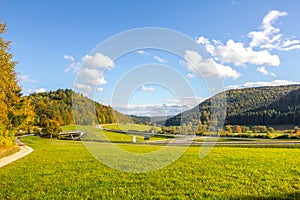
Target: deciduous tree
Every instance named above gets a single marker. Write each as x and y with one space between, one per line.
15 111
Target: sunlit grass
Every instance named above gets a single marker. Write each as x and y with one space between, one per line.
60 169
126 127
96 134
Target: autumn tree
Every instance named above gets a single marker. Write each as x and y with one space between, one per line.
51 128
238 129
15 110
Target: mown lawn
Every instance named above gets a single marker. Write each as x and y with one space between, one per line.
126 127
97 134
59 169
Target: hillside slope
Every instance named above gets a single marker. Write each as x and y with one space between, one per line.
67 107
271 105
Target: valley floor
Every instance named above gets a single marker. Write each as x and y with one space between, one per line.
59 169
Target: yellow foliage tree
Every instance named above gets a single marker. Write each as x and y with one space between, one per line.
15 110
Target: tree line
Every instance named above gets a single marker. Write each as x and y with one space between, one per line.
266 106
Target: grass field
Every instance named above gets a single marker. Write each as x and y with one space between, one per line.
96 134
59 169
126 127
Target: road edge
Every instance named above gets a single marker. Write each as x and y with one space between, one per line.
24 151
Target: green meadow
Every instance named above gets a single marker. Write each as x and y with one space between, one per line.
96 134
62 169
127 126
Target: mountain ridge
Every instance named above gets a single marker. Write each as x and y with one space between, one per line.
249 106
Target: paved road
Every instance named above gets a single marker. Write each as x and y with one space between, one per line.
24 151
237 143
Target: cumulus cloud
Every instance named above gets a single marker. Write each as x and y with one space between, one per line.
237 53
83 87
258 51
263 83
98 60
91 74
270 37
95 82
38 90
147 89
207 67
159 59
264 71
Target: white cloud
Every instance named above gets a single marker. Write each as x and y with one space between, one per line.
147 89
141 52
227 71
25 78
190 75
74 66
190 102
236 53
83 87
270 37
70 58
149 110
262 83
207 67
100 89
290 45
98 60
98 81
264 71
89 74
102 81
267 39
168 108
38 90
159 59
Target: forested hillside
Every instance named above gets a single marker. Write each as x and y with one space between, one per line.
252 106
57 105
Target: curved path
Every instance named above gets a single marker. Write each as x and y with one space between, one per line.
24 151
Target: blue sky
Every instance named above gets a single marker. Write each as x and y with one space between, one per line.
251 43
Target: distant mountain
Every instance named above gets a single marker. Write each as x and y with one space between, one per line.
276 105
272 105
